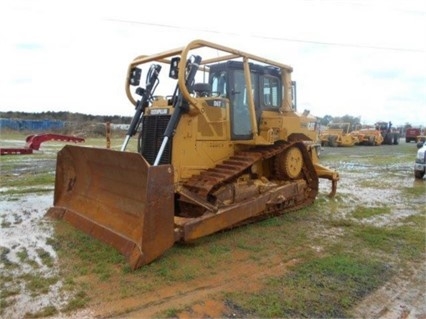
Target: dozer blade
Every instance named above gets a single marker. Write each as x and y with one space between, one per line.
118 198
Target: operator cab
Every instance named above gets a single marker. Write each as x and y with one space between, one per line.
227 80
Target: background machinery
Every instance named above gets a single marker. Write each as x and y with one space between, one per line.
337 134
390 135
33 143
368 135
222 145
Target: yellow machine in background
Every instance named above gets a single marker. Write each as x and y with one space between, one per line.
225 146
368 135
337 134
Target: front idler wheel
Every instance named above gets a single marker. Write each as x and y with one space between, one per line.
289 163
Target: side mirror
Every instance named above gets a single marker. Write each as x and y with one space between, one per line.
135 77
174 68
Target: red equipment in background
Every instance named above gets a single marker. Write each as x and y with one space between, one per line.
34 141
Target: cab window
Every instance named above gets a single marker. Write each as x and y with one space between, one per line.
218 82
270 97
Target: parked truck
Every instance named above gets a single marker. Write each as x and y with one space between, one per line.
411 134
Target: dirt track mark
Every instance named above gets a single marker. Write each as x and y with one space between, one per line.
245 276
402 297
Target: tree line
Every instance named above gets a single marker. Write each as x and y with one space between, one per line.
66 117
355 121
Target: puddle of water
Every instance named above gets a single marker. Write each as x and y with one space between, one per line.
366 185
24 242
25 226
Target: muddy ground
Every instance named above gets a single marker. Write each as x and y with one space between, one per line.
25 241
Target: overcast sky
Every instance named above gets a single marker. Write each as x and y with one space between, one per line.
362 58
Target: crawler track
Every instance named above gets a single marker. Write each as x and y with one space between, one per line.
210 180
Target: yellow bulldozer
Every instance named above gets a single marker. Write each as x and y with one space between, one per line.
222 146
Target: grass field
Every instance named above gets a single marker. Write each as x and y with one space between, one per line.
321 261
